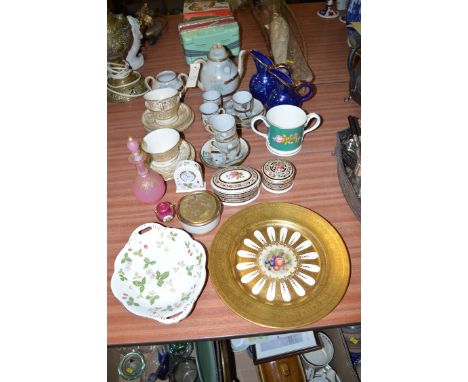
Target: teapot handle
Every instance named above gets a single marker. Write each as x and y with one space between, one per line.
301 85
202 62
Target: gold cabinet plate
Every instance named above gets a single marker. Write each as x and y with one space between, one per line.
279 265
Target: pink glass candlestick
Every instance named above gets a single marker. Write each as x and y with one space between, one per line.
148 187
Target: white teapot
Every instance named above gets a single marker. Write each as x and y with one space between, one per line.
219 72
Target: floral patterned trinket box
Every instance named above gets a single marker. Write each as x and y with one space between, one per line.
236 185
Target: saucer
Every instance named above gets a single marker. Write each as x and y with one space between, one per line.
166 169
207 158
242 119
186 117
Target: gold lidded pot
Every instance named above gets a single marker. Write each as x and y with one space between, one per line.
199 212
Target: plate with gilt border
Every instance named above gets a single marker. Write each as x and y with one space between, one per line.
279 265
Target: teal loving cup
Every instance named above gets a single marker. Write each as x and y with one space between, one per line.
286 128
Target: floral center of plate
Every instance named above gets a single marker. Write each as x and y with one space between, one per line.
277 260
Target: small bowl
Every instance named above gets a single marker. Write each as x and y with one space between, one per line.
159 273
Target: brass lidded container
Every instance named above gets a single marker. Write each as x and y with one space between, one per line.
199 212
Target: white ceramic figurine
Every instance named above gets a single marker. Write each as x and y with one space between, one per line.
134 58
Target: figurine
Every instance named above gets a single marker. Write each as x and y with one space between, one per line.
135 59
150 26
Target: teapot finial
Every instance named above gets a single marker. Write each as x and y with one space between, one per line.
217 52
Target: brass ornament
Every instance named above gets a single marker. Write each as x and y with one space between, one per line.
119 37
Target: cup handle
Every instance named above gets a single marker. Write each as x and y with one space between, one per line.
147 80
183 77
252 125
315 125
221 110
209 128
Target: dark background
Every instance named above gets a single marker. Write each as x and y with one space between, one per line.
164 7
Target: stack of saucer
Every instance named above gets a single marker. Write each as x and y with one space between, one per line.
164 109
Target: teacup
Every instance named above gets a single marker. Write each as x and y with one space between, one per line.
164 103
243 102
208 110
226 140
213 96
286 128
162 144
167 79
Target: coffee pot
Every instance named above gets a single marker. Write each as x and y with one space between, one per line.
219 72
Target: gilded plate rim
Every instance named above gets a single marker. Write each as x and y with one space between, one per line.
329 291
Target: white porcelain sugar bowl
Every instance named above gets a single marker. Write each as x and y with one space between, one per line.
159 273
219 72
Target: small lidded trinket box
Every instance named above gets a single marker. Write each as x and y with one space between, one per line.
236 185
278 175
199 212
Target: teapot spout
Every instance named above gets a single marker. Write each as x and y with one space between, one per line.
240 63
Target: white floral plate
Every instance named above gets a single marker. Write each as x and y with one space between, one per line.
159 273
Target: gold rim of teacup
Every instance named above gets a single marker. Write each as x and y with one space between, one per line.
168 155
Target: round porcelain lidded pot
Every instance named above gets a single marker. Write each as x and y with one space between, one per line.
236 185
278 175
199 212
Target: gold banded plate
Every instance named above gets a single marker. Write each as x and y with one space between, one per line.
279 265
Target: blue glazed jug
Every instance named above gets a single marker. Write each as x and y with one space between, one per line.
286 91
262 83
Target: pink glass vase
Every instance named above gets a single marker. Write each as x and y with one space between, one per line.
148 187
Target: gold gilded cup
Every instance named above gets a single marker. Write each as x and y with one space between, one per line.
164 103
162 144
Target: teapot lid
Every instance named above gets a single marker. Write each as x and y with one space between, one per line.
217 52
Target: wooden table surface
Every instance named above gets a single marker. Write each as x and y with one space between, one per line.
316 186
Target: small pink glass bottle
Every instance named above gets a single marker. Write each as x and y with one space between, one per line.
148 187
